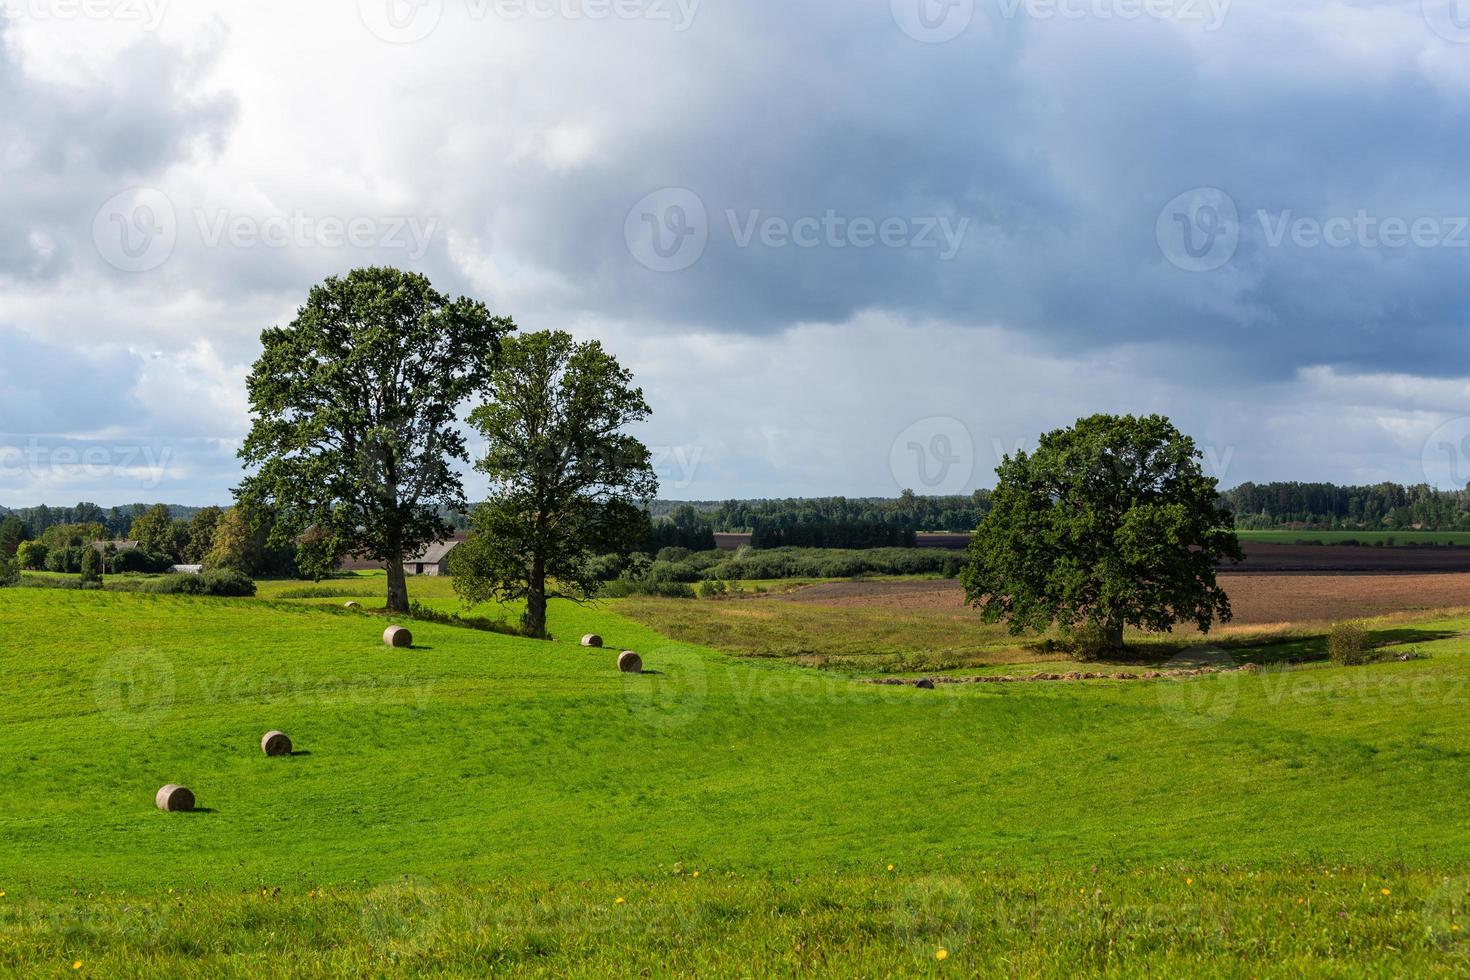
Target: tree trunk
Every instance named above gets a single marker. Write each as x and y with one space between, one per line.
1115 635
536 600
397 586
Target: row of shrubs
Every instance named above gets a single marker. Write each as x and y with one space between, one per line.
221 582
682 565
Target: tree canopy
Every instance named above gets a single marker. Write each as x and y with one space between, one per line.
354 406
566 480
1110 523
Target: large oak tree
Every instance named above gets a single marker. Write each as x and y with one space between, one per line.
354 406
566 479
1110 523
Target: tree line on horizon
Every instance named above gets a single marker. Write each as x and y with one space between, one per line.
691 524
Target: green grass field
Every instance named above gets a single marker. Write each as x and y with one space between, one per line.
1387 538
480 804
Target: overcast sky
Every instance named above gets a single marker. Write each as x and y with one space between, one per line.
847 246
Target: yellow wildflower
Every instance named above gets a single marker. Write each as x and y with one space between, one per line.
940 954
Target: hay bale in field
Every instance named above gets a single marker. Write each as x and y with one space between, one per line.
630 663
174 799
924 684
397 636
275 743
351 605
592 640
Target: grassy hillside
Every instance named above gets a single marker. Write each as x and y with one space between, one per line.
479 773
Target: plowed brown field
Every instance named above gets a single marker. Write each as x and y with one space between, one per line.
1255 599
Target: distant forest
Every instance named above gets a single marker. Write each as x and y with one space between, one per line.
869 522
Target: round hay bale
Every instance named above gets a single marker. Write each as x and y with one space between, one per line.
275 743
397 636
925 684
592 640
174 799
351 605
630 663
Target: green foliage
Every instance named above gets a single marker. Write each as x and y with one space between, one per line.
220 582
31 555
13 532
1110 523
1088 642
1348 644
786 563
354 409
199 538
9 572
61 536
620 588
91 565
857 514
65 559
157 533
566 480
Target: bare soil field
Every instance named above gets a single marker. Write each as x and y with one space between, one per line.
1257 599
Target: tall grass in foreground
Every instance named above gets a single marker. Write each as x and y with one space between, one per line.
1177 920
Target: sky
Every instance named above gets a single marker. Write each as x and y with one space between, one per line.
846 246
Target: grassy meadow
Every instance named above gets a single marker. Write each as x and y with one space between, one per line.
483 803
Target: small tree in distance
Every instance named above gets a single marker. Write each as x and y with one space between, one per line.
566 481
1110 523
91 564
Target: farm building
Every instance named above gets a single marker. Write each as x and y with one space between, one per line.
433 560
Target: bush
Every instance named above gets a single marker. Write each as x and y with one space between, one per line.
318 592
1087 642
673 554
31 556
9 573
91 565
621 587
1348 645
220 582
420 611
